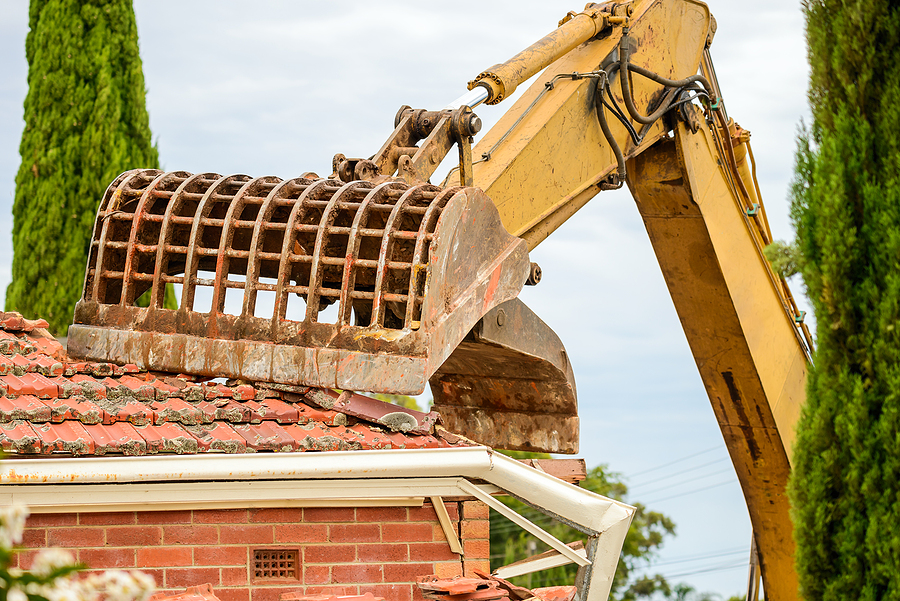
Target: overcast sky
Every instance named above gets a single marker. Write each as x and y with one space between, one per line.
277 88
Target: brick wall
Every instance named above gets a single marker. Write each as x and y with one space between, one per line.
341 550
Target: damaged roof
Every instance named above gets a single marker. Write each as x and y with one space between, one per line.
50 404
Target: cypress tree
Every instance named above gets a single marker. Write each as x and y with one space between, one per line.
845 487
85 122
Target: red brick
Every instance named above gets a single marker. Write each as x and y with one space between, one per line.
164 517
406 572
329 514
164 557
356 573
482 565
420 532
134 536
159 576
389 592
220 556
382 553
448 569
475 510
476 529
381 514
301 533
438 534
34 538
220 516
190 535
76 537
316 574
107 558
42 520
341 591
26 558
185 577
233 594
273 593
329 554
357 533
432 552
426 512
477 549
106 518
283 515
246 534
417 594
235 576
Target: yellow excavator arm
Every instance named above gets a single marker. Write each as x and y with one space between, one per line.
690 172
425 278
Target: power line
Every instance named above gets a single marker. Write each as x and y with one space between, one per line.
733 566
690 492
715 555
690 469
685 458
688 481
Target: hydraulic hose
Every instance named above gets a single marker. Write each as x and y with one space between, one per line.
625 68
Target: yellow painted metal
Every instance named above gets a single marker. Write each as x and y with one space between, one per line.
698 197
556 158
747 350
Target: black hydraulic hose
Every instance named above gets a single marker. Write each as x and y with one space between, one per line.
625 68
607 133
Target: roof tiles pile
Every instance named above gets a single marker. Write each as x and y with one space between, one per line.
52 404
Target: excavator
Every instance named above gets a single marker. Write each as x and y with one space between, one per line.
380 280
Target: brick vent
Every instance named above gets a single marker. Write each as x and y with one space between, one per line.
276 564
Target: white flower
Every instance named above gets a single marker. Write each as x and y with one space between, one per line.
50 559
16 594
12 524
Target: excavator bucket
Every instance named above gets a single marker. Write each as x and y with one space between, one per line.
411 270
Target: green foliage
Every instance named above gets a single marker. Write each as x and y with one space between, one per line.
85 122
846 208
784 258
648 529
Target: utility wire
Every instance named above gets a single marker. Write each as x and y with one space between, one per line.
691 559
685 458
690 469
688 481
691 492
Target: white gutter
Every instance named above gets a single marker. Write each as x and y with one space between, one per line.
606 521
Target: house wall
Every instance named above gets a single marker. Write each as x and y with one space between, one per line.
342 550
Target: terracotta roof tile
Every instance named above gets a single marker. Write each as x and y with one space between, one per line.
51 404
25 407
65 437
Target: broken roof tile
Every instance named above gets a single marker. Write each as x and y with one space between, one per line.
25 407
395 417
44 364
50 347
14 322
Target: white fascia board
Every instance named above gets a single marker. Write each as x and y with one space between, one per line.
605 520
